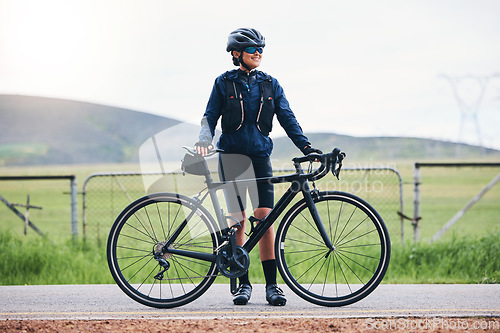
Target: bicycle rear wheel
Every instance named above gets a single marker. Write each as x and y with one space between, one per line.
349 272
142 229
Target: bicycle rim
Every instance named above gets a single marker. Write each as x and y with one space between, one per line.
356 265
141 230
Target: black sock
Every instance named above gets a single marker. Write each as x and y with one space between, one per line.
244 279
269 267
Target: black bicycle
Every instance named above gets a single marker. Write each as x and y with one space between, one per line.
332 248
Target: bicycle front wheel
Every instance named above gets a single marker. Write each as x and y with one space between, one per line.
342 275
142 229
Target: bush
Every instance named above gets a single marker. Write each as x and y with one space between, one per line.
37 260
459 260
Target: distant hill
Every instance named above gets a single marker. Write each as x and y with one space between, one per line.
38 130
388 148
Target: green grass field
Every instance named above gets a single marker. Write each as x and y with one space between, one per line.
467 253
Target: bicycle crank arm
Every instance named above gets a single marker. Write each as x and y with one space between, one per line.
233 285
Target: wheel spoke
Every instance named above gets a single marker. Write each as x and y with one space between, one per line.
346 223
357 237
161 223
139 239
342 271
150 224
312 228
348 266
145 229
135 262
295 240
311 267
338 220
353 230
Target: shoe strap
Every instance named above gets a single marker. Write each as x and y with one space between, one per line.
277 290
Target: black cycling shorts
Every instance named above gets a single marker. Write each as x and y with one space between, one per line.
241 167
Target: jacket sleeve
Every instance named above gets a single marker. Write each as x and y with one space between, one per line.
287 119
212 112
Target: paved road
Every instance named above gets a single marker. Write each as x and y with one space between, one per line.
109 302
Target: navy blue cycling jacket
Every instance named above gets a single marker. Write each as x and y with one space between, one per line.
248 140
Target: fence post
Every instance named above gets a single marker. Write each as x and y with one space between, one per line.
416 203
74 206
19 214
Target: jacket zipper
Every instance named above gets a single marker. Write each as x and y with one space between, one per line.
242 110
260 110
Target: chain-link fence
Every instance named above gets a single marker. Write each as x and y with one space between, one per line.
106 195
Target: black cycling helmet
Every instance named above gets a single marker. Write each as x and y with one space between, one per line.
242 38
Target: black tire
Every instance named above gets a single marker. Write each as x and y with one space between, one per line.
140 230
355 267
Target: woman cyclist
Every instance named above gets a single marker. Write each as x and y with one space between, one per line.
247 100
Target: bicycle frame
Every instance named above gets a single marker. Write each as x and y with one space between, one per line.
299 183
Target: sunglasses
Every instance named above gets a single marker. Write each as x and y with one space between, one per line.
252 49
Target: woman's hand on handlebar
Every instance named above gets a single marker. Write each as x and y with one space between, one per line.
308 150
203 147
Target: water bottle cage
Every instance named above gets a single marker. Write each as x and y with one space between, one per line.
252 219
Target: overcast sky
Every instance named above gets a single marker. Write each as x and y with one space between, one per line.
360 68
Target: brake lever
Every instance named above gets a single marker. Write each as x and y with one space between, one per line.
340 158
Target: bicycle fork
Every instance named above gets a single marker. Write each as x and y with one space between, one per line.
308 197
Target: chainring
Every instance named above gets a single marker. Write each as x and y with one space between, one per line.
233 267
